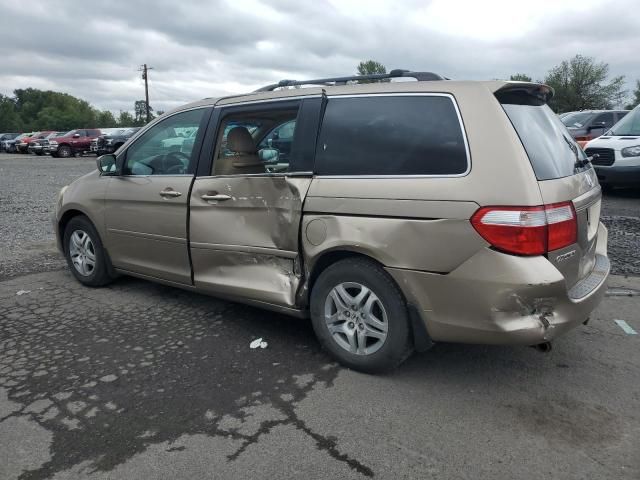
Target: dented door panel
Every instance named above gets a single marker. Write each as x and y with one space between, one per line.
247 244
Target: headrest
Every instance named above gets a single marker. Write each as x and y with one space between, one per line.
239 140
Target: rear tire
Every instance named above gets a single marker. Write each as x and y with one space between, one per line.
85 253
359 315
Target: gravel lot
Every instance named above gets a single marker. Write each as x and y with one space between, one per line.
139 380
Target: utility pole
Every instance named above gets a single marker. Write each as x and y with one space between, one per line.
145 77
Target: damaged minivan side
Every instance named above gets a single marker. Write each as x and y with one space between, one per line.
370 208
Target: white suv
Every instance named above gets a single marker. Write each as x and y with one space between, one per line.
618 152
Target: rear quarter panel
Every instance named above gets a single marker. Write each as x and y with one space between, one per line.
422 223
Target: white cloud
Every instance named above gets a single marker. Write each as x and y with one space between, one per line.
204 48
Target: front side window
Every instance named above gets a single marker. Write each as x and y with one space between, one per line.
604 120
280 138
391 135
166 148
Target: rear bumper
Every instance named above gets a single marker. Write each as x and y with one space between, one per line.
629 175
494 298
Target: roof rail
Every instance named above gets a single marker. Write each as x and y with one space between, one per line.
397 73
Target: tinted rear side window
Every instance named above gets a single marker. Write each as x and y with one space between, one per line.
391 135
551 149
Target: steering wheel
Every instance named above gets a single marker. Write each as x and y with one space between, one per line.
180 157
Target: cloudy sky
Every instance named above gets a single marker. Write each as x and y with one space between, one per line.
204 48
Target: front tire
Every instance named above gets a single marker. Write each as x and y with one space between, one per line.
64 151
359 315
85 253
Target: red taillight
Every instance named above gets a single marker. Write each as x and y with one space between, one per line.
528 230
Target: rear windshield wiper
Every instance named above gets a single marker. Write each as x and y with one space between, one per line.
579 163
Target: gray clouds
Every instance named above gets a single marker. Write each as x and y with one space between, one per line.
207 48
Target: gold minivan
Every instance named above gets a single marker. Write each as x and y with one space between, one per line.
394 213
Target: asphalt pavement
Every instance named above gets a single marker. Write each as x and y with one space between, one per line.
140 380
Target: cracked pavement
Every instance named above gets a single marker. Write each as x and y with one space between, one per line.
140 380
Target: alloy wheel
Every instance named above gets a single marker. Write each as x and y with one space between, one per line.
356 318
82 253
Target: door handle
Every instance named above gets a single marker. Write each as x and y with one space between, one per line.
218 197
168 193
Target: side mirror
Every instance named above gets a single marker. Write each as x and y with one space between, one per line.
107 164
76 135
269 155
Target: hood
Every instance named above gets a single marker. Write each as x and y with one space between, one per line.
616 142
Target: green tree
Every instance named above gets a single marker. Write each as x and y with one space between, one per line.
636 97
581 83
520 77
105 119
10 121
370 67
125 119
140 109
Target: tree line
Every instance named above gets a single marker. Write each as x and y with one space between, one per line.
580 83
31 109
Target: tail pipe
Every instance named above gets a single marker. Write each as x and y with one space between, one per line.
544 347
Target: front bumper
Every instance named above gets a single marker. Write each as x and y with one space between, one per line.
618 175
494 298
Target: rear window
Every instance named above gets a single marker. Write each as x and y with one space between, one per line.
551 149
391 135
577 120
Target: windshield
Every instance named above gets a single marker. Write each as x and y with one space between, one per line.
550 147
69 133
577 120
629 125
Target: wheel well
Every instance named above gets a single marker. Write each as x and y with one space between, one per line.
66 217
329 258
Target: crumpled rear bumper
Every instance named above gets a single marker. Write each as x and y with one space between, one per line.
495 298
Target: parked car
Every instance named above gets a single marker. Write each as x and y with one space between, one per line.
22 145
73 142
9 146
562 115
111 141
37 145
384 225
6 137
589 124
618 152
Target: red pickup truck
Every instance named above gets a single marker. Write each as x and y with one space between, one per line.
22 145
73 142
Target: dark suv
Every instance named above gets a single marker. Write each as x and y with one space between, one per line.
6 137
111 142
73 142
589 124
